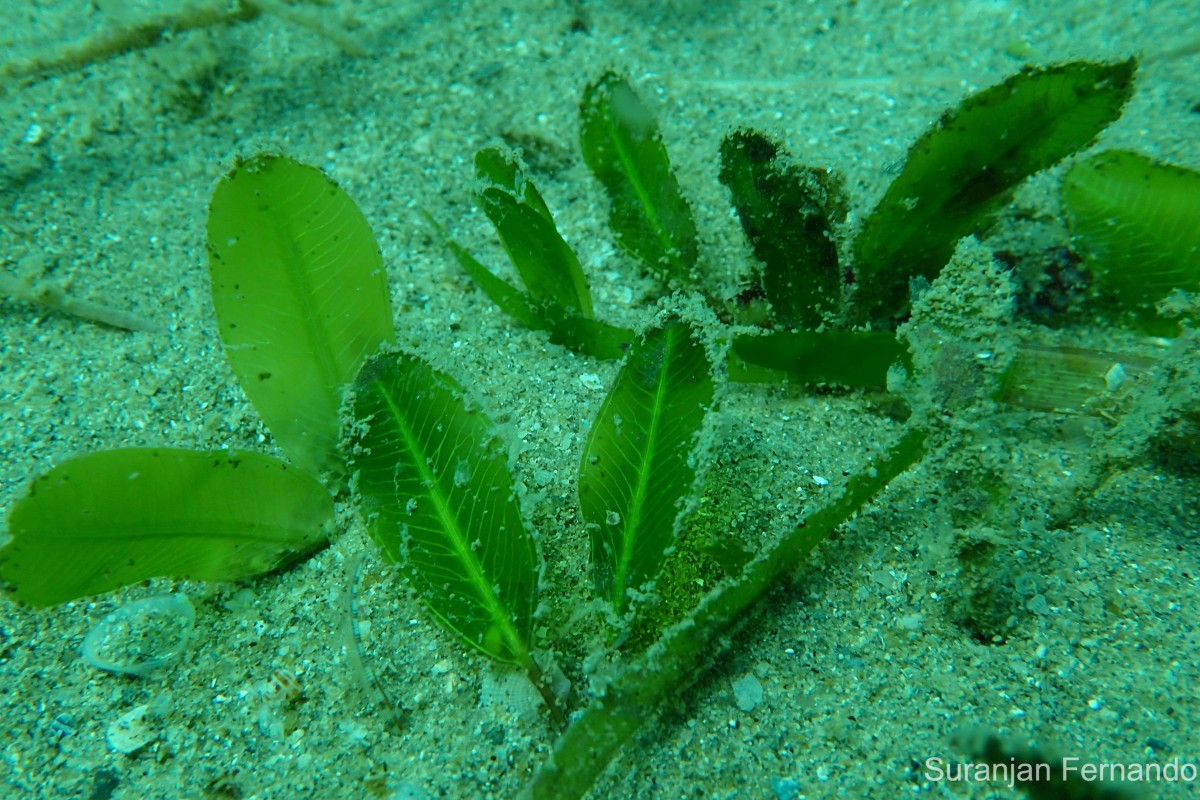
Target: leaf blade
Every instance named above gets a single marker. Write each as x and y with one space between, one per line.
547 264
566 327
301 298
434 482
118 517
1137 224
637 470
623 148
962 170
787 211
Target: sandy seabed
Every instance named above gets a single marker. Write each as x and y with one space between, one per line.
943 610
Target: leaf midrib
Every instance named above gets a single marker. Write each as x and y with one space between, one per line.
498 613
638 500
310 319
639 189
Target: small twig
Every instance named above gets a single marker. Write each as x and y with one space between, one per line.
355 653
111 42
25 290
343 40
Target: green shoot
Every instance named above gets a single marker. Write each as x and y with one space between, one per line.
565 326
547 264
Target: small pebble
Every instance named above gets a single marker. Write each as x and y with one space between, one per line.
747 692
785 788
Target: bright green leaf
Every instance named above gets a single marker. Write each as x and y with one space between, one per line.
118 517
638 468
787 211
301 298
964 169
1137 224
434 485
624 150
546 263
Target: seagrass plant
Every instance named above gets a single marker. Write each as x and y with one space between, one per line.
301 299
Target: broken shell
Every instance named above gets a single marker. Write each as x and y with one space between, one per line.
142 636
132 731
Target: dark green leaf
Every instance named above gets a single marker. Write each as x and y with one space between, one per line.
849 358
301 298
624 150
566 327
638 468
787 211
1137 224
546 263
589 336
962 170
434 485
118 517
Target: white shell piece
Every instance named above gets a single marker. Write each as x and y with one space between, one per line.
132 731
1115 376
591 380
141 636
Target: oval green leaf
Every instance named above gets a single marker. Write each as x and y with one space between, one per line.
301 298
624 150
118 517
434 486
638 469
964 168
1137 224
